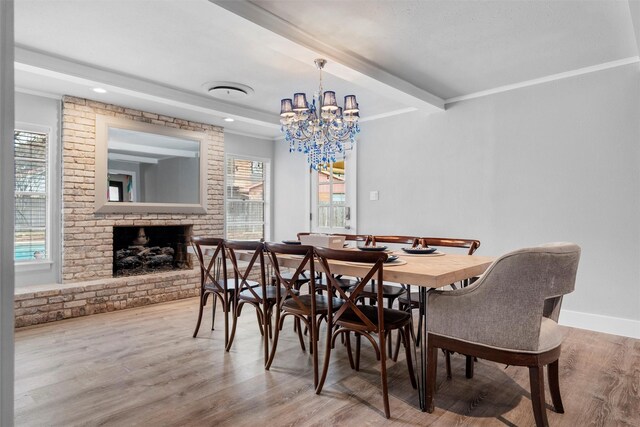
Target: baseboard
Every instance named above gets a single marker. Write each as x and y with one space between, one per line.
596 322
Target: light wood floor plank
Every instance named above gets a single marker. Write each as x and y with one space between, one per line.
141 367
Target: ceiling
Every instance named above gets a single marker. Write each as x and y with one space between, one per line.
396 56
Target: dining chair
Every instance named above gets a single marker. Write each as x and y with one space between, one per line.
508 316
210 281
345 282
262 298
309 308
411 301
362 320
389 292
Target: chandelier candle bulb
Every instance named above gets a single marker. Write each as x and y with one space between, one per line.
322 130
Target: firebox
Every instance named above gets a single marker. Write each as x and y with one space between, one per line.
150 249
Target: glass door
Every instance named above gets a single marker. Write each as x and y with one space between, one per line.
333 196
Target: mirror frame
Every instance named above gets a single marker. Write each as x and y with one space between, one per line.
102 205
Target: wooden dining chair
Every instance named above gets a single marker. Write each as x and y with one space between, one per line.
389 292
362 320
411 301
309 308
508 316
211 283
262 298
345 282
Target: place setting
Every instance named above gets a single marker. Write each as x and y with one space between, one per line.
419 251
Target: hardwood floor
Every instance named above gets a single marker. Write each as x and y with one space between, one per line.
141 367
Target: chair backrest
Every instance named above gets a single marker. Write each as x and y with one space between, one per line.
209 271
471 244
376 259
509 299
409 240
256 251
274 250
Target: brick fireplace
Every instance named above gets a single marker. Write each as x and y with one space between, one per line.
88 238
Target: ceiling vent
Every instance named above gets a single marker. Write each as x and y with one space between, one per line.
228 90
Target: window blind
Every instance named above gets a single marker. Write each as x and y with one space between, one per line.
245 199
30 237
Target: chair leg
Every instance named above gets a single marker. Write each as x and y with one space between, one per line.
469 367
358 339
213 310
383 375
313 343
407 345
348 344
275 342
536 378
298 327
554 386
397 348
327 356
432 368
447 363
236 314
203 301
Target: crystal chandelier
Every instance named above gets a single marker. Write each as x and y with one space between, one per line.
322 130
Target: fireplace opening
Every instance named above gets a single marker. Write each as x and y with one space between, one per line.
150 249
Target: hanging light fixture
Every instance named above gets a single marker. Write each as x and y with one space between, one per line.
323 131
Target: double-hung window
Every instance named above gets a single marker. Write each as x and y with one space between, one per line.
31 239
246 198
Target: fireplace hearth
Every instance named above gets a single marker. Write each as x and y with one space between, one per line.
150 249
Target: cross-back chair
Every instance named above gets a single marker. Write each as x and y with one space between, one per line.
304 308
210 281
262 298
363 320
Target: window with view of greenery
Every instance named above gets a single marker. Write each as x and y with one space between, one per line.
30 241
246 181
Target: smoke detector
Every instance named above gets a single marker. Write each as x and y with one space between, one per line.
228 90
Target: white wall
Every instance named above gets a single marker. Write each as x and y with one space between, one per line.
558 161
552 162
291 188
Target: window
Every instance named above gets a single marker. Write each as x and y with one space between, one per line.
246 198
31 213
331 196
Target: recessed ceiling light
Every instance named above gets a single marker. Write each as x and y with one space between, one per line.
99 90
229 119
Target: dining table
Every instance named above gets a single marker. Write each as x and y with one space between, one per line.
427 272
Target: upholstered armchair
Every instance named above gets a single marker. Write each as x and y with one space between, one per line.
508 316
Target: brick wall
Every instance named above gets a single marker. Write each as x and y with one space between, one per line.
87 240
87 236
103 295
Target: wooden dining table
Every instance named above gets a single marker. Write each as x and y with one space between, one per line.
428 272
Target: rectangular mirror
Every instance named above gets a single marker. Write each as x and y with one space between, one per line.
142 167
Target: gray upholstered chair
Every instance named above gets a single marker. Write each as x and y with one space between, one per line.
508 316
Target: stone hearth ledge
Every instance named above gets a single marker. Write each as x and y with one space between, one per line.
47 303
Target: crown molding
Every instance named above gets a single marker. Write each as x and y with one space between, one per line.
546 79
